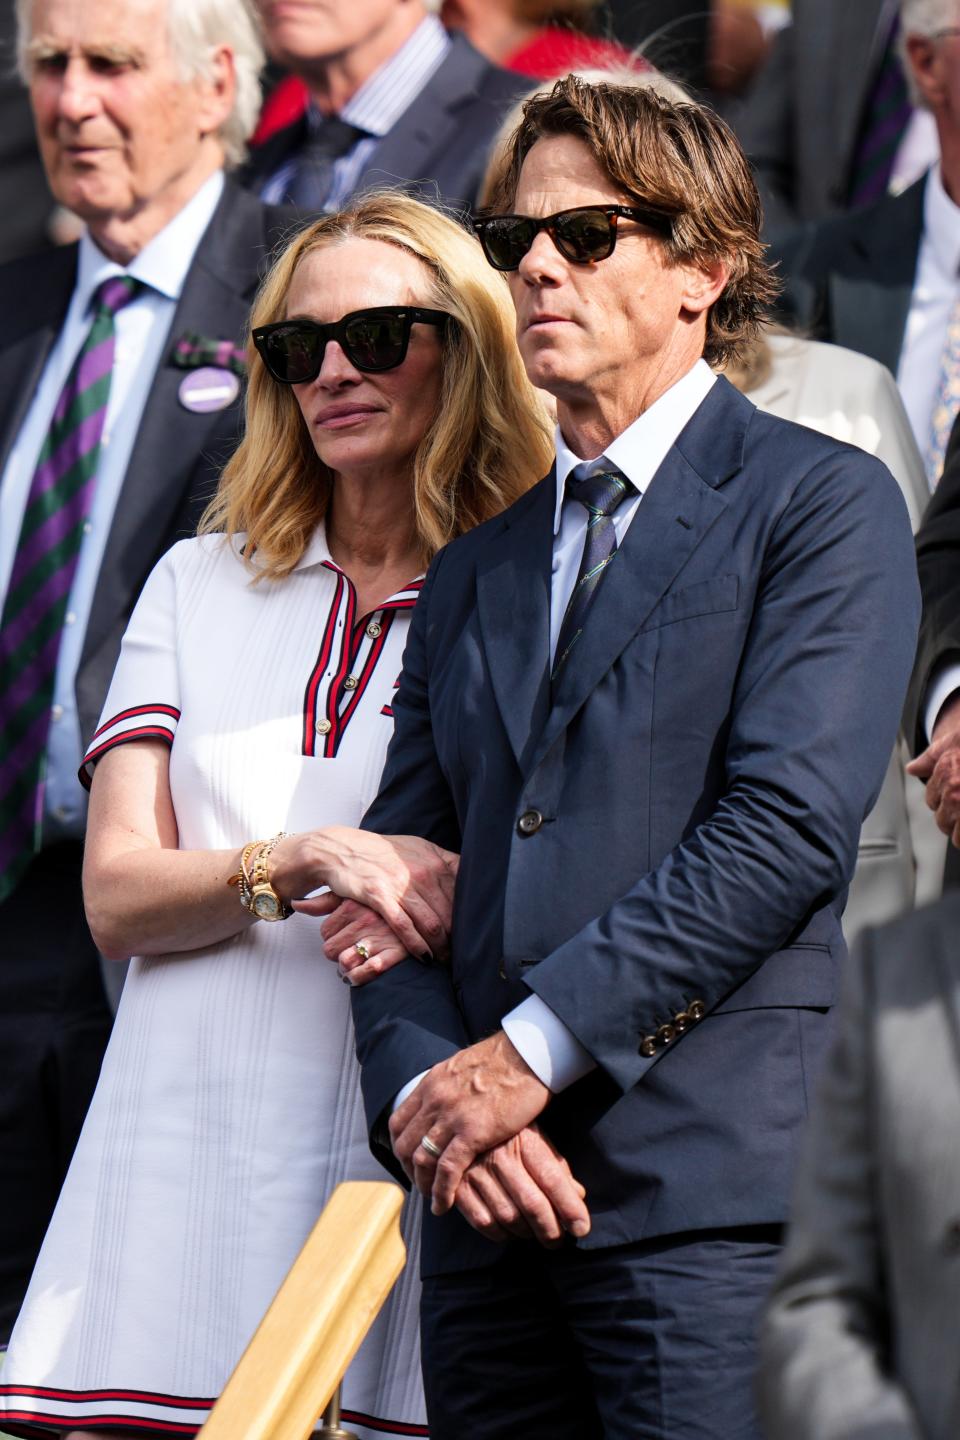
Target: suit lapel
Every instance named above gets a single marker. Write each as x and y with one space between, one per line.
678 509
409 151
870 295
29 336
513 604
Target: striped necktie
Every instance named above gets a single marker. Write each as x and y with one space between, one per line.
600 494
887 116
48 549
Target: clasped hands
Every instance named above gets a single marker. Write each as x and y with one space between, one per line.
394 895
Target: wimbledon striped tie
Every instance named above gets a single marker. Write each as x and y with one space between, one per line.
600 494
61 493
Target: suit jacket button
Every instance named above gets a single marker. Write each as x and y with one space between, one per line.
665 1034
681 1021
648 1046
529 822
696 1009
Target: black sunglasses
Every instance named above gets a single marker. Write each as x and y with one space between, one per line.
588 232
374 339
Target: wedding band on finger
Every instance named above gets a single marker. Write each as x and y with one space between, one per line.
362 950
427 1144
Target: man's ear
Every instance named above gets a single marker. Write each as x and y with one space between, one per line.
705 283
926 67
217 91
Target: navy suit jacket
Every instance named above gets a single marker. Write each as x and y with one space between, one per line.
702 769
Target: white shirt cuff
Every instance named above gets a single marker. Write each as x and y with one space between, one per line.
406 1090
943 682
553 1052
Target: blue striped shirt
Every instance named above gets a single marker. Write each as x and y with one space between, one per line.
375 108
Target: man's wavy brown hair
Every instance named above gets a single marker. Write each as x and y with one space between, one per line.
678 158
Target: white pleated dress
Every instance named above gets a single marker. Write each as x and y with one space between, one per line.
229 1105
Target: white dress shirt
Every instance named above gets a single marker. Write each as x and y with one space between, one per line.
142 328
936 290
547 1045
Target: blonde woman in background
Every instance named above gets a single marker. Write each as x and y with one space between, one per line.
387 412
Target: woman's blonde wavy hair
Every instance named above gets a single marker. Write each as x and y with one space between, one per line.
489 441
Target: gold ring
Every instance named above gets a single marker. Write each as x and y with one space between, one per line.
362 950
431 1148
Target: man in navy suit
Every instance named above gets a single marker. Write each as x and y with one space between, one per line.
649 705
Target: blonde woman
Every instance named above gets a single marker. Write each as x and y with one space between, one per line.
387 412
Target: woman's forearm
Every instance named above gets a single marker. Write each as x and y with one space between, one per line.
154 901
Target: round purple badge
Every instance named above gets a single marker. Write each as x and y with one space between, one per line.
208 389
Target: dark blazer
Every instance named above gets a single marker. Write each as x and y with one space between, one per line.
801 121
850 280
177 455
693 791
860 1339
440 145
938 561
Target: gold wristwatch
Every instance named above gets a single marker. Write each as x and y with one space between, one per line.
263 901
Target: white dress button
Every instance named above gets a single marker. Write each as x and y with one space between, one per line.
323 727
351 682
70 618
56 712
374 630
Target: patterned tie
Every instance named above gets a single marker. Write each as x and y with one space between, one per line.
887 115
309 183
600 494
947 403
58 502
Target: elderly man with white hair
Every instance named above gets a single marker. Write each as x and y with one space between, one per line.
120 368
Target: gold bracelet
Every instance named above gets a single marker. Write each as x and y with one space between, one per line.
242 877
265 903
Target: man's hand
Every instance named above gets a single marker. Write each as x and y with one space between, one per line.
465 1105
939 767
523 1187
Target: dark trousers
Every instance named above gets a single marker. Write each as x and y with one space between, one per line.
650 1341
54 1025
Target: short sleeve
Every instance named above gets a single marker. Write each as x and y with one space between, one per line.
143 702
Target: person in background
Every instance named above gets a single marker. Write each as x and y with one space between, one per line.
387 413
392 99
932 711
120 380
860 1340
542 39
886 280
828 123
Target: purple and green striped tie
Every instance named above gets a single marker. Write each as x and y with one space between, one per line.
600 494
58 503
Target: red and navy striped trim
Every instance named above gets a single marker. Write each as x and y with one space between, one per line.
133 712
143 732
336 710
378 1423
316 675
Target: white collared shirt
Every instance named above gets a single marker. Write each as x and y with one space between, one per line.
142 328
936 290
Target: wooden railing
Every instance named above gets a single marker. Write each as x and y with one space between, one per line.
291 1370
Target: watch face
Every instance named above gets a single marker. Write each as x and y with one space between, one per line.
266 907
